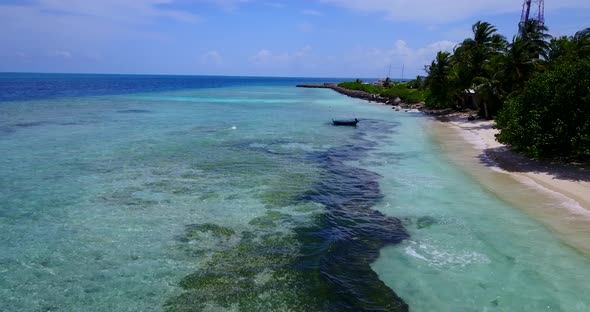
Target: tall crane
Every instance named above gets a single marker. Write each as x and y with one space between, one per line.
532 10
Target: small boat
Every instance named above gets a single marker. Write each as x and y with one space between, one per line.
345 122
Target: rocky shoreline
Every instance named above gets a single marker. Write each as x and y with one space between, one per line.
396 103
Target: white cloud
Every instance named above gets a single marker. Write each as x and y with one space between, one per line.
263 57
305 27
228 5
459 33
439 11
357 62
302 62
268 58
49 24
375 62
212 58
83 25
118 10
311 12
60 54
276 5
94 56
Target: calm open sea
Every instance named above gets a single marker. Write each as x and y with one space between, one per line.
179 193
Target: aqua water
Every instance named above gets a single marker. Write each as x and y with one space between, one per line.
149 193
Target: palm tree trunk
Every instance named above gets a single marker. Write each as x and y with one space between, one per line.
485 109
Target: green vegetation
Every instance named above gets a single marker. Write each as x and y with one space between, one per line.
254 275
417 83
272 219
535 85
552 116
404 91
284 190
475 64
441 94
194 231
271 269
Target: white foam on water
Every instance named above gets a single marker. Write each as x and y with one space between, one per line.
472 138
562 200
98 211
258 145
478 143
444 258
228 100
299 146
478 247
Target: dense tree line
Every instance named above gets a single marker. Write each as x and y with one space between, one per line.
535 86
409 93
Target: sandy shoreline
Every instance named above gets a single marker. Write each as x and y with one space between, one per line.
570 180
557 195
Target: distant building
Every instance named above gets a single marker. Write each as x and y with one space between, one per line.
470 99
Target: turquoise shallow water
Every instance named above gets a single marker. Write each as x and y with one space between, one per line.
469 250
245 197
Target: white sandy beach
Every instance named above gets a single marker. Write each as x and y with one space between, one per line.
571 181
556 194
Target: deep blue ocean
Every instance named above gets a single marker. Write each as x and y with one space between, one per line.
198 193
33 86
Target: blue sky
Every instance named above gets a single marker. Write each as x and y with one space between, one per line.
312 38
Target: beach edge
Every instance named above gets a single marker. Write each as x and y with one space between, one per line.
568 180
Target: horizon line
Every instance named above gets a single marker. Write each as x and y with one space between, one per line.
195 75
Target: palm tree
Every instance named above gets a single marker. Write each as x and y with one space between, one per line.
569 49
519 62
536 37
438 79
439 67
387 82
472 56
419 82
490 92
582 42
559 48
477 51
472 60
485 35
